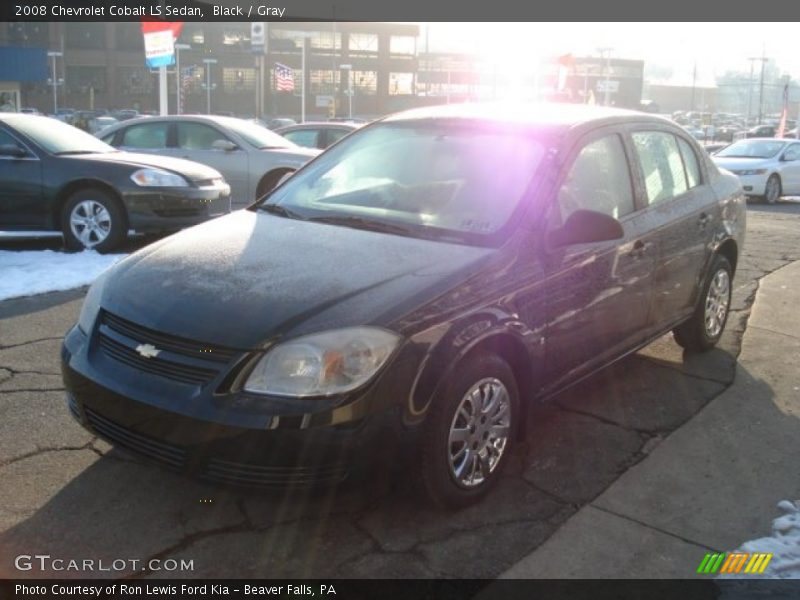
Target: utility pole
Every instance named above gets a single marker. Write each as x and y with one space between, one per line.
750 92
761 91
178 78
606 53
54 81
694 85
208 62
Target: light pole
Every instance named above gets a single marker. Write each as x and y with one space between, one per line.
304 37
606 53
178 86
55 81
349 69
208 62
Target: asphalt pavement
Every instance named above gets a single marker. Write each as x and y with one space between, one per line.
69 495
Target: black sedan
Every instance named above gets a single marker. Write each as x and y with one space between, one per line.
55 177
409 293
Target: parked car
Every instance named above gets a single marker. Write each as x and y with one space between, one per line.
792 133
29 111
409 293
316 135
56 177
65 114
768 168
761 131
714 148
125 114
252 159
98 124
280 122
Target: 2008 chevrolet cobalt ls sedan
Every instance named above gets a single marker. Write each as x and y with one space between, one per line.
410 292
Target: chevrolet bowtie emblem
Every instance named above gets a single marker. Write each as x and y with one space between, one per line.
148 350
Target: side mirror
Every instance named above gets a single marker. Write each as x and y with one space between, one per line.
224 145
585 227
12 150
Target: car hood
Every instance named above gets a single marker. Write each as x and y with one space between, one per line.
250 277
190 169
737 164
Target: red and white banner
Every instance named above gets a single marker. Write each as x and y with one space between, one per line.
159 42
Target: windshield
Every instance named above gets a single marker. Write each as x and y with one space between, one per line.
256 135
429 179
752 149
57 137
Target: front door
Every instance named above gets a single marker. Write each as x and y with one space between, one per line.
21 202
598 294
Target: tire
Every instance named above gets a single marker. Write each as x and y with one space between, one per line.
269 181
773 189
106 231
452 473
704 329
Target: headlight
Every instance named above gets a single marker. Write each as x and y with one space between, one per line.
157 178
323 364
751 172
91 304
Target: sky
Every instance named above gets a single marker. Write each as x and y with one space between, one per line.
714 47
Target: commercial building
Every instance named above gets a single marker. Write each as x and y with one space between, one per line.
102 66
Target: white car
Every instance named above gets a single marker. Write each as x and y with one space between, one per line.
767 167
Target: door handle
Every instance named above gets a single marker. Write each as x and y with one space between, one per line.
704 220
639 249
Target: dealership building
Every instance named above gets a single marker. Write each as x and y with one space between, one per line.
101 65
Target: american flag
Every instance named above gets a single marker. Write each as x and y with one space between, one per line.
284 78
187 75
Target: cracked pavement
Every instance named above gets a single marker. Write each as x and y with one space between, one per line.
72 496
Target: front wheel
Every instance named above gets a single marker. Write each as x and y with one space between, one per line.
469 435
92 219
772 191
704 329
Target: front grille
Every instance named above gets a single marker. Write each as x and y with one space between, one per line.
212 468
179 359
246 474
165 454
177 212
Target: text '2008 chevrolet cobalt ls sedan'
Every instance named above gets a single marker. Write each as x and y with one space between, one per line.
415 287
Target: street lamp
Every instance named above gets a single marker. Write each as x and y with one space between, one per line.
606 53
349 69
304 37
178 85
54 81
208 62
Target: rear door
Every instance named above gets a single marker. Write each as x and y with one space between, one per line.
683 211
598 294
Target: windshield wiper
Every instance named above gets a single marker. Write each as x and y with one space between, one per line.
362 223
281 211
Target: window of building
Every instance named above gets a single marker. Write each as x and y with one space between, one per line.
193 34
365 82
24 34
401 83
236 80
402 44
81 79
128 36
662 165
135 80
324 81
599 179
236 38
363 43
326 40
85 35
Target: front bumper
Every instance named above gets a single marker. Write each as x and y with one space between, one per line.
170 209
754 185
210 437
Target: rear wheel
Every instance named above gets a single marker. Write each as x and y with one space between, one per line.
704 329
772 191
469 434
93 219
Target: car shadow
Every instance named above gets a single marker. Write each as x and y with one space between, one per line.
79 505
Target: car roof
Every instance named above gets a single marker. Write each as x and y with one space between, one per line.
219 120
317 125
548 115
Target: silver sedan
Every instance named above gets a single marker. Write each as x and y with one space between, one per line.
251 158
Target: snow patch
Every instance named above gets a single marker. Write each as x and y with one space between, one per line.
784 544
38 271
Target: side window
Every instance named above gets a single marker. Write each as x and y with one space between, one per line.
303 137
197 136
334 135
792 153
151 136
664 175
690 162
599 180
